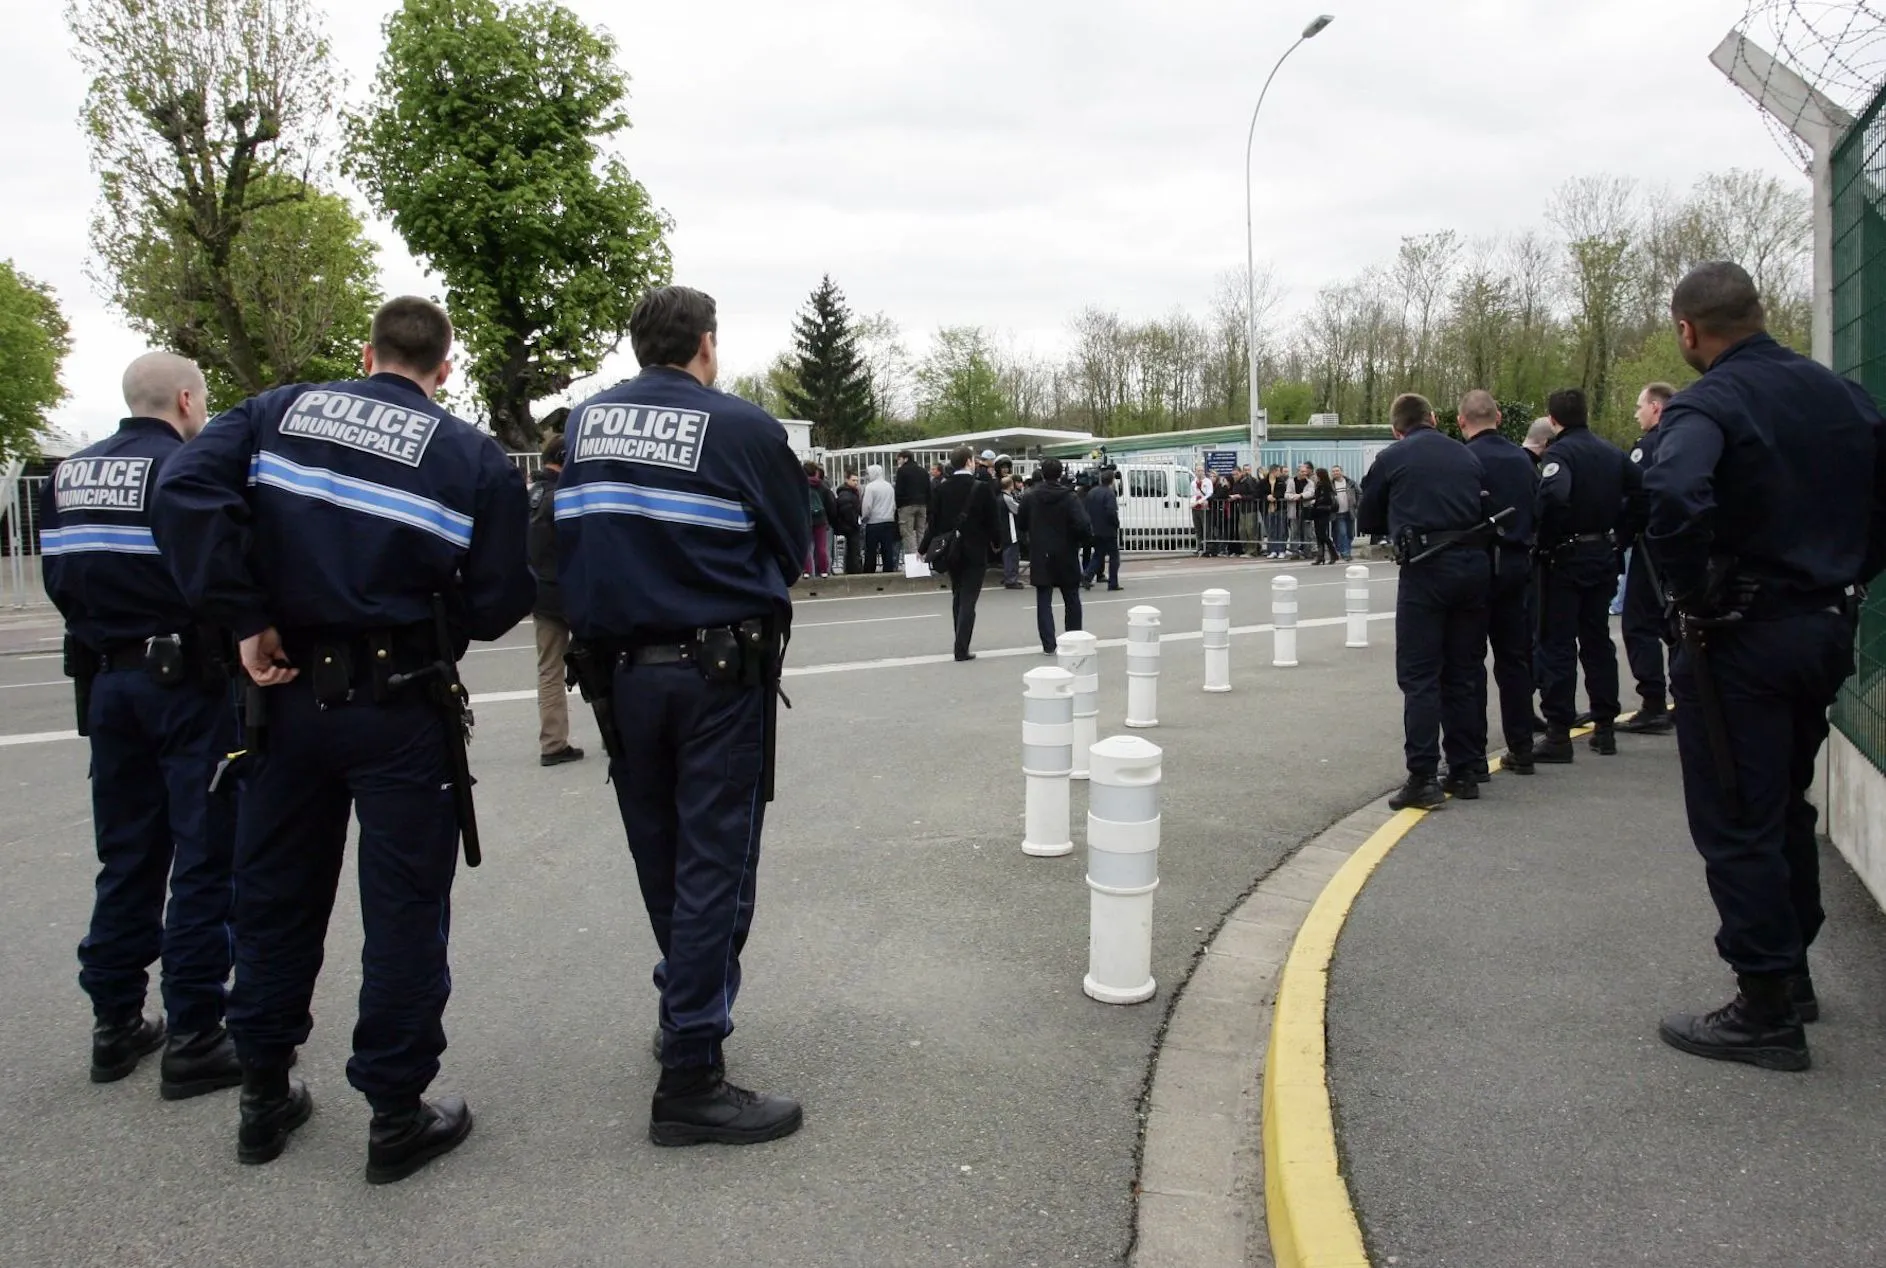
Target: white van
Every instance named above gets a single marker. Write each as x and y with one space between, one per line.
1155 503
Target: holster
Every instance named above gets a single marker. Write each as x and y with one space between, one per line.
81 666
590 667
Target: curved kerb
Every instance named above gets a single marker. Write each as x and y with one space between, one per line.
1312 1222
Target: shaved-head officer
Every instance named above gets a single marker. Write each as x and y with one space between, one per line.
152 691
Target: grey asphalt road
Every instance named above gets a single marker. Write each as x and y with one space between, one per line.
1502 1096
911 976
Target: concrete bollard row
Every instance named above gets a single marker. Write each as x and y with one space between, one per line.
1142 667
1283 617
1047 760
1078 652
1356 603
1122 869
1217 639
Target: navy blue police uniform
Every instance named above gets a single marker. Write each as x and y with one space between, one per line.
335 513
681 527
1424 491
1586 486
1746 451
1512 481
1643 606
159 721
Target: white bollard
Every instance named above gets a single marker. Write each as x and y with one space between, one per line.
1357 602
1217 639
1122 869
1079 654
1142 668
1283 616
1047 757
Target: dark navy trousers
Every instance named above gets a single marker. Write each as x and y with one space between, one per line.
1440 660
154 750
689 787
1777 679
1510 635
387 765
1643 632
1576 630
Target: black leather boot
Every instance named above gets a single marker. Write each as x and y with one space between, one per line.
119 1044
1419 793
1519 761
1653 719
699 1107
402 1141
272 1106
1604 740
1759 1026
1801 994
1463 787
1555 749
197 1064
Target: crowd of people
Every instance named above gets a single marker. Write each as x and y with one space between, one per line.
1273 514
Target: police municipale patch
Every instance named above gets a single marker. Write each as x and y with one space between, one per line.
1551 469
1637 455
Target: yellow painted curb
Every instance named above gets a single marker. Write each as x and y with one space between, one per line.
1306 1200
1312 1224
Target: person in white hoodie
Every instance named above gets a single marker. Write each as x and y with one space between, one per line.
880 522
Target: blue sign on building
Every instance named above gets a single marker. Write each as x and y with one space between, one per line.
1221 461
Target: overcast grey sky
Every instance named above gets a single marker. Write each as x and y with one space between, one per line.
1006 162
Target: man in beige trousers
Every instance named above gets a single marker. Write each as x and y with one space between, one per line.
553 635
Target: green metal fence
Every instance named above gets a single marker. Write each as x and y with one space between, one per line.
1859 177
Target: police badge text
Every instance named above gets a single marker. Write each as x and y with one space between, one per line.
648 434
359 422
101 484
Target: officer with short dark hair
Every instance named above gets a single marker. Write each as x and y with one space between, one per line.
1512 481
1765 595
1428 494
1643 623
681 528
353 535
153 691
1587 504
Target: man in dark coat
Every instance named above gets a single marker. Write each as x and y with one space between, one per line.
1103 512
1057 526
553 634
970 508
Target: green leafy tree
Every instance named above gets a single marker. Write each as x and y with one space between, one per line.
202 115
833 388
34 340
301 269
1289 402
484 147
959 384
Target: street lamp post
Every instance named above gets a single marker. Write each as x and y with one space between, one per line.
1259 427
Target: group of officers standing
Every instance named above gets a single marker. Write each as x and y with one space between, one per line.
264 616
1754 512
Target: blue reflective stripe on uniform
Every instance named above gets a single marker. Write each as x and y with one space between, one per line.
277 472
607 498
119 538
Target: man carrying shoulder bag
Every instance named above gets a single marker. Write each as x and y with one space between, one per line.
971 509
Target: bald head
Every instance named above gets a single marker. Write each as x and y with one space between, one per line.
167 386
1478 412
1540 434
1715 306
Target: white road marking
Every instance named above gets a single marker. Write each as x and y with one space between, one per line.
804 671
17 686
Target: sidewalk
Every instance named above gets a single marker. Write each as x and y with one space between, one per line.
1500 1094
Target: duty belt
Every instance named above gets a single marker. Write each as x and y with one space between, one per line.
1579 539
130 656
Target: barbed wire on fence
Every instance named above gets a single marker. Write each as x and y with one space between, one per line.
1837 46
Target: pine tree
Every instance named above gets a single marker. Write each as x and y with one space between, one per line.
833 392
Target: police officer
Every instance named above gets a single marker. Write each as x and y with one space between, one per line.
334 528
1643 601
1427 493
153 697
1586 491
1765 595
1512 481
681 527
